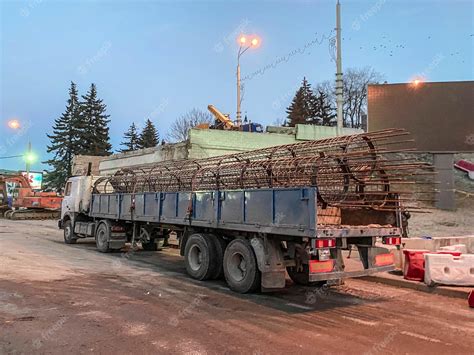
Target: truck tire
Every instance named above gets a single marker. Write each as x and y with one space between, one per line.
300 276
240 267
69 236
200 257
219 244
150 246
102 238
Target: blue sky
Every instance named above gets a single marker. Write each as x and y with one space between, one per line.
159 59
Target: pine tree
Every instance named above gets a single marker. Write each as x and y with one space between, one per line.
131 139
325 112
94 129
149 136
302 108
64 142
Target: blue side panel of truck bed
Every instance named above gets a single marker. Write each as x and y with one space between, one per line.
290 211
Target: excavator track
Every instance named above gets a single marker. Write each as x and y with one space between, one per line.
31 214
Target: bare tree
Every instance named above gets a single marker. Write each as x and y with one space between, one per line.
355 94
354 91
179 130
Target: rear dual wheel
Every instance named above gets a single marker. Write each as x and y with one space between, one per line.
208 257
240 267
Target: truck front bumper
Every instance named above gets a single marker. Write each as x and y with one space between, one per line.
348 274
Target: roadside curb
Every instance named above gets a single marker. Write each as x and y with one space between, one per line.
419 286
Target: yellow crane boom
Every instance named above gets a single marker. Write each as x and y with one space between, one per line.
228 124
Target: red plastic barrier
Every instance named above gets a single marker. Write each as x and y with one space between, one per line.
414 268
471 299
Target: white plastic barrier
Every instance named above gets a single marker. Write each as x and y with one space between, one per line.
449 270
457 247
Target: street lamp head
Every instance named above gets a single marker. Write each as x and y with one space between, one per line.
255 42
242 40
14 124
30 157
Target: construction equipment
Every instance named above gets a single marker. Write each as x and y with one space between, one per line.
256 215
25 203
223 121
220 117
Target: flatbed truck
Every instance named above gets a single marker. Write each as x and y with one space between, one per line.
252 237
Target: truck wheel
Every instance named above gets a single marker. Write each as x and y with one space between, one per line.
200 257
219 244
240 267
69 236
300 274
102 238
150 246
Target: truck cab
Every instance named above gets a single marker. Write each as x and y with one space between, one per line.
77 195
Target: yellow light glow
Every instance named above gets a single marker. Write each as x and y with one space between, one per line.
254 42
14 124
243 39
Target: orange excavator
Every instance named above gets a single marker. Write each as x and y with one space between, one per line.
21 202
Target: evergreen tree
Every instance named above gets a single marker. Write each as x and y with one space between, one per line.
64 142
131 139
149 136
94 128
325 111
302 109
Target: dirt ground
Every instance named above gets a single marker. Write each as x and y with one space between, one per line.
440 223
57 298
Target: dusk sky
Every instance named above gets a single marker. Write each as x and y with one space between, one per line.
159 59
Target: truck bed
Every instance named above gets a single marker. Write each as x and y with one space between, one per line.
279 211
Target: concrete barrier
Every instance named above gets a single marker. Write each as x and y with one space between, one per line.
436 243
458 247
446 269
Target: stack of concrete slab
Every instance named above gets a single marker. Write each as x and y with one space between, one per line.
437 243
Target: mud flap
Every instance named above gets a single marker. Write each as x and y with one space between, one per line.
368 255
270 262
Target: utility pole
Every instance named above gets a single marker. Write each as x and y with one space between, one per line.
339 86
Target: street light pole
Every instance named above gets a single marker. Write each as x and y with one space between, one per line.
28 158
253 43
339 85
239 113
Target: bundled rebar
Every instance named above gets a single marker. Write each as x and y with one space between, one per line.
363 170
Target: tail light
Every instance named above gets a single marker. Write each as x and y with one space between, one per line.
321 266
392 240
325 243
117 229
384 259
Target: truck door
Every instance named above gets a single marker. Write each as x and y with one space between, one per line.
67 205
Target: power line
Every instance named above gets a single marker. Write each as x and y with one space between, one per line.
13 156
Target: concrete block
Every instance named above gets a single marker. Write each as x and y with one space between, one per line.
446 269
436 243
457 247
